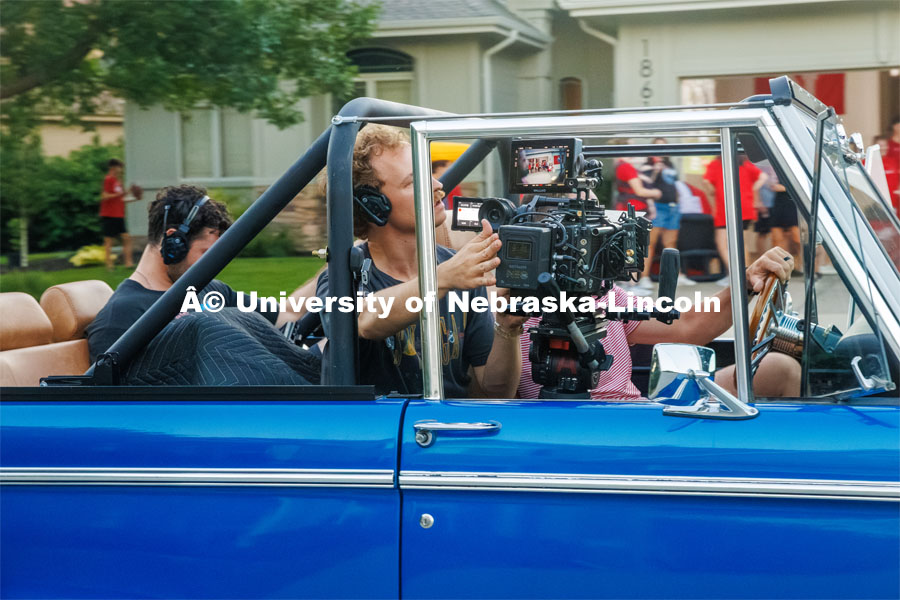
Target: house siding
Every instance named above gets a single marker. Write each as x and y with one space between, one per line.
715 43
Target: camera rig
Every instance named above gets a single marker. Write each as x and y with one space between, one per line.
566 244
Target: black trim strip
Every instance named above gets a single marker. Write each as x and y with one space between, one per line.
269 393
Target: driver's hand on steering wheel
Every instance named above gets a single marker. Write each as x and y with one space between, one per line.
776 261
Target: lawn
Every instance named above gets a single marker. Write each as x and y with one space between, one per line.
33 256
266 276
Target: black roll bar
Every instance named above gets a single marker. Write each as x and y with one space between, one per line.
339 202
342 365
639 150
467 161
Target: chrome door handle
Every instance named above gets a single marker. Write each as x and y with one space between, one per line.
425 430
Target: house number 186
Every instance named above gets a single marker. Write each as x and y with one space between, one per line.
645 71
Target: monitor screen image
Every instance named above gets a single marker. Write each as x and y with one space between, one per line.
541 165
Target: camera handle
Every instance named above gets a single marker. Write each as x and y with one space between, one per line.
548 286
669 268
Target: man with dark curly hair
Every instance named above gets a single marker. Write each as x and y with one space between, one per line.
153 276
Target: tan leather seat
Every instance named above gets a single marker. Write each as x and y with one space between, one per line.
23 322
35 343
72 306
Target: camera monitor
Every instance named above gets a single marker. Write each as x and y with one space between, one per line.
542 166
465 214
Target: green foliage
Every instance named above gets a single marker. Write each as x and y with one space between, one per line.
273 241
261 55
60 195
72 188
20 177
236 200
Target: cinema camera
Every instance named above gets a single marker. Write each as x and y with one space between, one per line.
563 244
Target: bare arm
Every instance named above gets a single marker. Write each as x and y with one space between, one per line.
109 195
760 182
637 186
307 290
710 193
469 268
499 376
700 328
693 327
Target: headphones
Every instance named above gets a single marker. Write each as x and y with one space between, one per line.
174 247
375 205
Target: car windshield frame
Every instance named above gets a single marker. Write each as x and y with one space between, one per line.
855 250
858 187
791 146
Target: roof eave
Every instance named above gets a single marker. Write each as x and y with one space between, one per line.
426 27
593 8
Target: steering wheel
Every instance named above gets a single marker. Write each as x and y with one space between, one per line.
763 319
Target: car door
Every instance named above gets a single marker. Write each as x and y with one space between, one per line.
199 492
590 499
609 500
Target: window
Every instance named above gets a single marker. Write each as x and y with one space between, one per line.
570 94
383 73
844 345
216 143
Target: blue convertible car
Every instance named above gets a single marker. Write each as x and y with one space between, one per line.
330 491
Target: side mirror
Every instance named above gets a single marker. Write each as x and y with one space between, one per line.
681 378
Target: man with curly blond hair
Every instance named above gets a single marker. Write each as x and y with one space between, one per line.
474 358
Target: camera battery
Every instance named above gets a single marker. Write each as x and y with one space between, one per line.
525 254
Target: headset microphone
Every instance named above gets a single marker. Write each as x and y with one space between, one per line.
175 247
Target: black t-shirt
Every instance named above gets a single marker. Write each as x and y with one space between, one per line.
393 364
664 181
129 302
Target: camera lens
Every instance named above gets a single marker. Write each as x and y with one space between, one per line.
497 211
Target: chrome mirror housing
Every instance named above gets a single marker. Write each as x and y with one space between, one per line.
670 372
681 378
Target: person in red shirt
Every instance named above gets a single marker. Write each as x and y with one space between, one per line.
751 180
891 163
894 142
631 190
112 213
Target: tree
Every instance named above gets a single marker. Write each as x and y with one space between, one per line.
261 55
57 56
21 181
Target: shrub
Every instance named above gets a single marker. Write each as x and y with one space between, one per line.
273 241
21 180
64 194
72 186
270 242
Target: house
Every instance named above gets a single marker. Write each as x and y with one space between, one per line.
470 56
105 124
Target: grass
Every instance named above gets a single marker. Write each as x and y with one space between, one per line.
33 256
266 276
